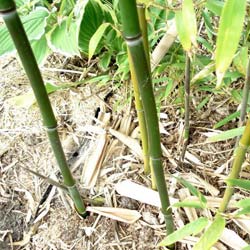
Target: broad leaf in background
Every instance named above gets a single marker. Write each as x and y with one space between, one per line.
92 18
191 228
212 234
95 39
34 25
186 25
64 39
240 60
230 28
245 184
225 135
40 49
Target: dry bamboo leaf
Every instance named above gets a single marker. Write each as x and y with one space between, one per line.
94 162
119 214
140 193
26 237
125 124
167 154
232 239
133 144
193 158
244 224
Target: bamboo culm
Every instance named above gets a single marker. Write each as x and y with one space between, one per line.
132 35
19 37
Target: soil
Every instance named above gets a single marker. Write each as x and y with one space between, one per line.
55 225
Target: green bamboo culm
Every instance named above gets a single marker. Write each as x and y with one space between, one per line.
241 145
239 158
19 37
132 35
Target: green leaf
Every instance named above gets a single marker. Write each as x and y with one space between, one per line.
191 228
240 60
243 203
215 6
193 190
105 60
95 39
246 248
40 49
212 234
94 15
203 103
227 119
194 204
64 39
230 28
225 135
209 69
245 210
185 20
245 184
34 25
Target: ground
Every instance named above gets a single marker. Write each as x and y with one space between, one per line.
35 216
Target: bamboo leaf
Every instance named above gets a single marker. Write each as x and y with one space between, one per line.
40 49
209 69
225 135
243 203
193 190
215 6
245 184
230 28
190 20
227 119
212 234
95 39
246 248
191 228
194 204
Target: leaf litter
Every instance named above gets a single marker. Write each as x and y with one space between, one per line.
116 180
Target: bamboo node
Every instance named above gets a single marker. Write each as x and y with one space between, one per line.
134 41
155 159
51 129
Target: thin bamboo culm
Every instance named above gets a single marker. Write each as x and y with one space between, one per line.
187 107
19 37
132 35
241 145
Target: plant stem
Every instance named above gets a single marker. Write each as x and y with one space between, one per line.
19 37
244 100
187 107
239 158
132 35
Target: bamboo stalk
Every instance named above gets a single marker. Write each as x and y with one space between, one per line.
239 158
241 144
244 101
187 108
19 37
132 35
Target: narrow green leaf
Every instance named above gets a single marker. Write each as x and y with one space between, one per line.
245 184
194 204
240 60
225 135
95 39
227 119
191 228
105 60
230 28
243 203
212 234
193 190
203 73
203 103
245 210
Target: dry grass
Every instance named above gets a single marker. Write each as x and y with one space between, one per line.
53 225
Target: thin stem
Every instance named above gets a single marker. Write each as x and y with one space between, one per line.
19 37
244 101
187 107
239 158
132 35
